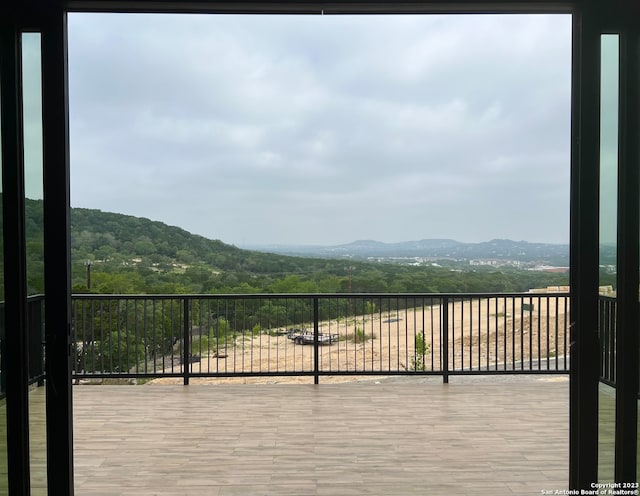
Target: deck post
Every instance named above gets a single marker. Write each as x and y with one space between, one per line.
316 354
444 347
186 358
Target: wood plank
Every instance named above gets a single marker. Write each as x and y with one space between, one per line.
476 435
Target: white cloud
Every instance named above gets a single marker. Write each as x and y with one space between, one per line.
302 129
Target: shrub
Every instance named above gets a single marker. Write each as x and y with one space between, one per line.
422 348
359 336
200 345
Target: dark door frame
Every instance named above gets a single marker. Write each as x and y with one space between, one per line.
590 18
15 352
628 254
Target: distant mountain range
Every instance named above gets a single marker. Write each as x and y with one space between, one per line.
103 236
496 249
126 254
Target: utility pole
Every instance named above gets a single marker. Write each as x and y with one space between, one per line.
88 264
350 270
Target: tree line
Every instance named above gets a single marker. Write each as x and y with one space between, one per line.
126 254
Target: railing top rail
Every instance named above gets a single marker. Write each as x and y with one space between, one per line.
607 298
35 297
94 296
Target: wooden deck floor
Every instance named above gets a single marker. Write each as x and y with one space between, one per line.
474 436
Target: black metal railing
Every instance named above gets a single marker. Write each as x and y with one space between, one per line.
187 336
607 308
252 335
35 332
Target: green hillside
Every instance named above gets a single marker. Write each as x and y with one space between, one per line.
129 254
170 259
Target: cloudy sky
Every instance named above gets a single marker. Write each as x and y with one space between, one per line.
325 129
